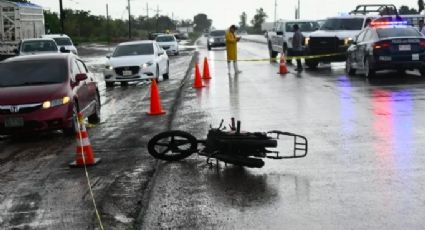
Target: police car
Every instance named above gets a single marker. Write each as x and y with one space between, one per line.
388 43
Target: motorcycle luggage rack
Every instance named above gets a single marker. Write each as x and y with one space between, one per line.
300 145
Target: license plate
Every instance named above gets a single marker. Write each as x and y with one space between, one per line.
127 73
404 48
13 122
415 57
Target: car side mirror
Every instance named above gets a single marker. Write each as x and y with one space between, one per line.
80 77
279 32
63 50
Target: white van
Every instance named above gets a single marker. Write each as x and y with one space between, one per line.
63 41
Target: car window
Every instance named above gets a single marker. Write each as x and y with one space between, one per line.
38 46
343 24
132 50
397 32
33 72
304 26
82 67
63 41
165 39
75 69
218 33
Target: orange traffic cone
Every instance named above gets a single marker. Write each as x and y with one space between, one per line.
206 73
156 108
198 81
84 152
282 65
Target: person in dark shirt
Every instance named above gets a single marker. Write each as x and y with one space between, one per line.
297 45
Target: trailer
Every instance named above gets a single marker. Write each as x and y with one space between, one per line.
18 21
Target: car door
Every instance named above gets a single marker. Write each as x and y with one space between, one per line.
80 88
352 50
89 84
362 47
161 55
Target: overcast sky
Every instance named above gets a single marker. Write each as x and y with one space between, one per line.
222 12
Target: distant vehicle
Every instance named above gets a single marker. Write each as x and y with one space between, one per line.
168 43
152 36
18 21
136 61
64 42
336 34
37 46
280 39
44 92
216 38
386 44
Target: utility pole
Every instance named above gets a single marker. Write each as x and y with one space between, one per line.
107 26
129 20
275 7
61 16
298 10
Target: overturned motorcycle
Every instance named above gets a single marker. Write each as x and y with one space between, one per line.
233 146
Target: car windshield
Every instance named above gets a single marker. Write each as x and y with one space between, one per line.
33 72
63 41
38 46
304 26
397 32
165 39
343 24
133 50
217 33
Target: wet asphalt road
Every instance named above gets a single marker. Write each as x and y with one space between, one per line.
365 168
39 191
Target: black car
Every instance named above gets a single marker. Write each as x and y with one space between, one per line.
216 38
386 45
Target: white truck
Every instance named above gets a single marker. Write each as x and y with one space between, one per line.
280 38
18 21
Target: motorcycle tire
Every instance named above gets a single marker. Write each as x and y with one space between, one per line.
241 161
175 144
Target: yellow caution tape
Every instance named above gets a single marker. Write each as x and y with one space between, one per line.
287 58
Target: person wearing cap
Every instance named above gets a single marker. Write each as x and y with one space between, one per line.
231 48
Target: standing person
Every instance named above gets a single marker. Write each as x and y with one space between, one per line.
421 26
297 45
231 48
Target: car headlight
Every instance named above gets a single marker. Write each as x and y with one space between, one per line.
147 64
56 102
211 39
347 41
306 41
109 67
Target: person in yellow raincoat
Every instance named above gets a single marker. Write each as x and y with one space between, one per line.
231 48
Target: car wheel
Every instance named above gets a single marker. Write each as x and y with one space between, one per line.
368 72
311 64
209 47
350 70
177 53
157 74
110 84
166 75
95 117
69 131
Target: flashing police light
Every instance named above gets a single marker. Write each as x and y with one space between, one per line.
389 23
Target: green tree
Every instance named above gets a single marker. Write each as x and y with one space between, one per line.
243 21
258 19
406 10
420 5
202 23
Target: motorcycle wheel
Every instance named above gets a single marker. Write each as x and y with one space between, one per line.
172 145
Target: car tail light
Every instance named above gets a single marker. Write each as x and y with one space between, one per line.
422 43
381 45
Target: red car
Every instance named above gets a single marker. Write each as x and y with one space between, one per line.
44 92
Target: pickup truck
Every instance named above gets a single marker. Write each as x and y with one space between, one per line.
280 38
